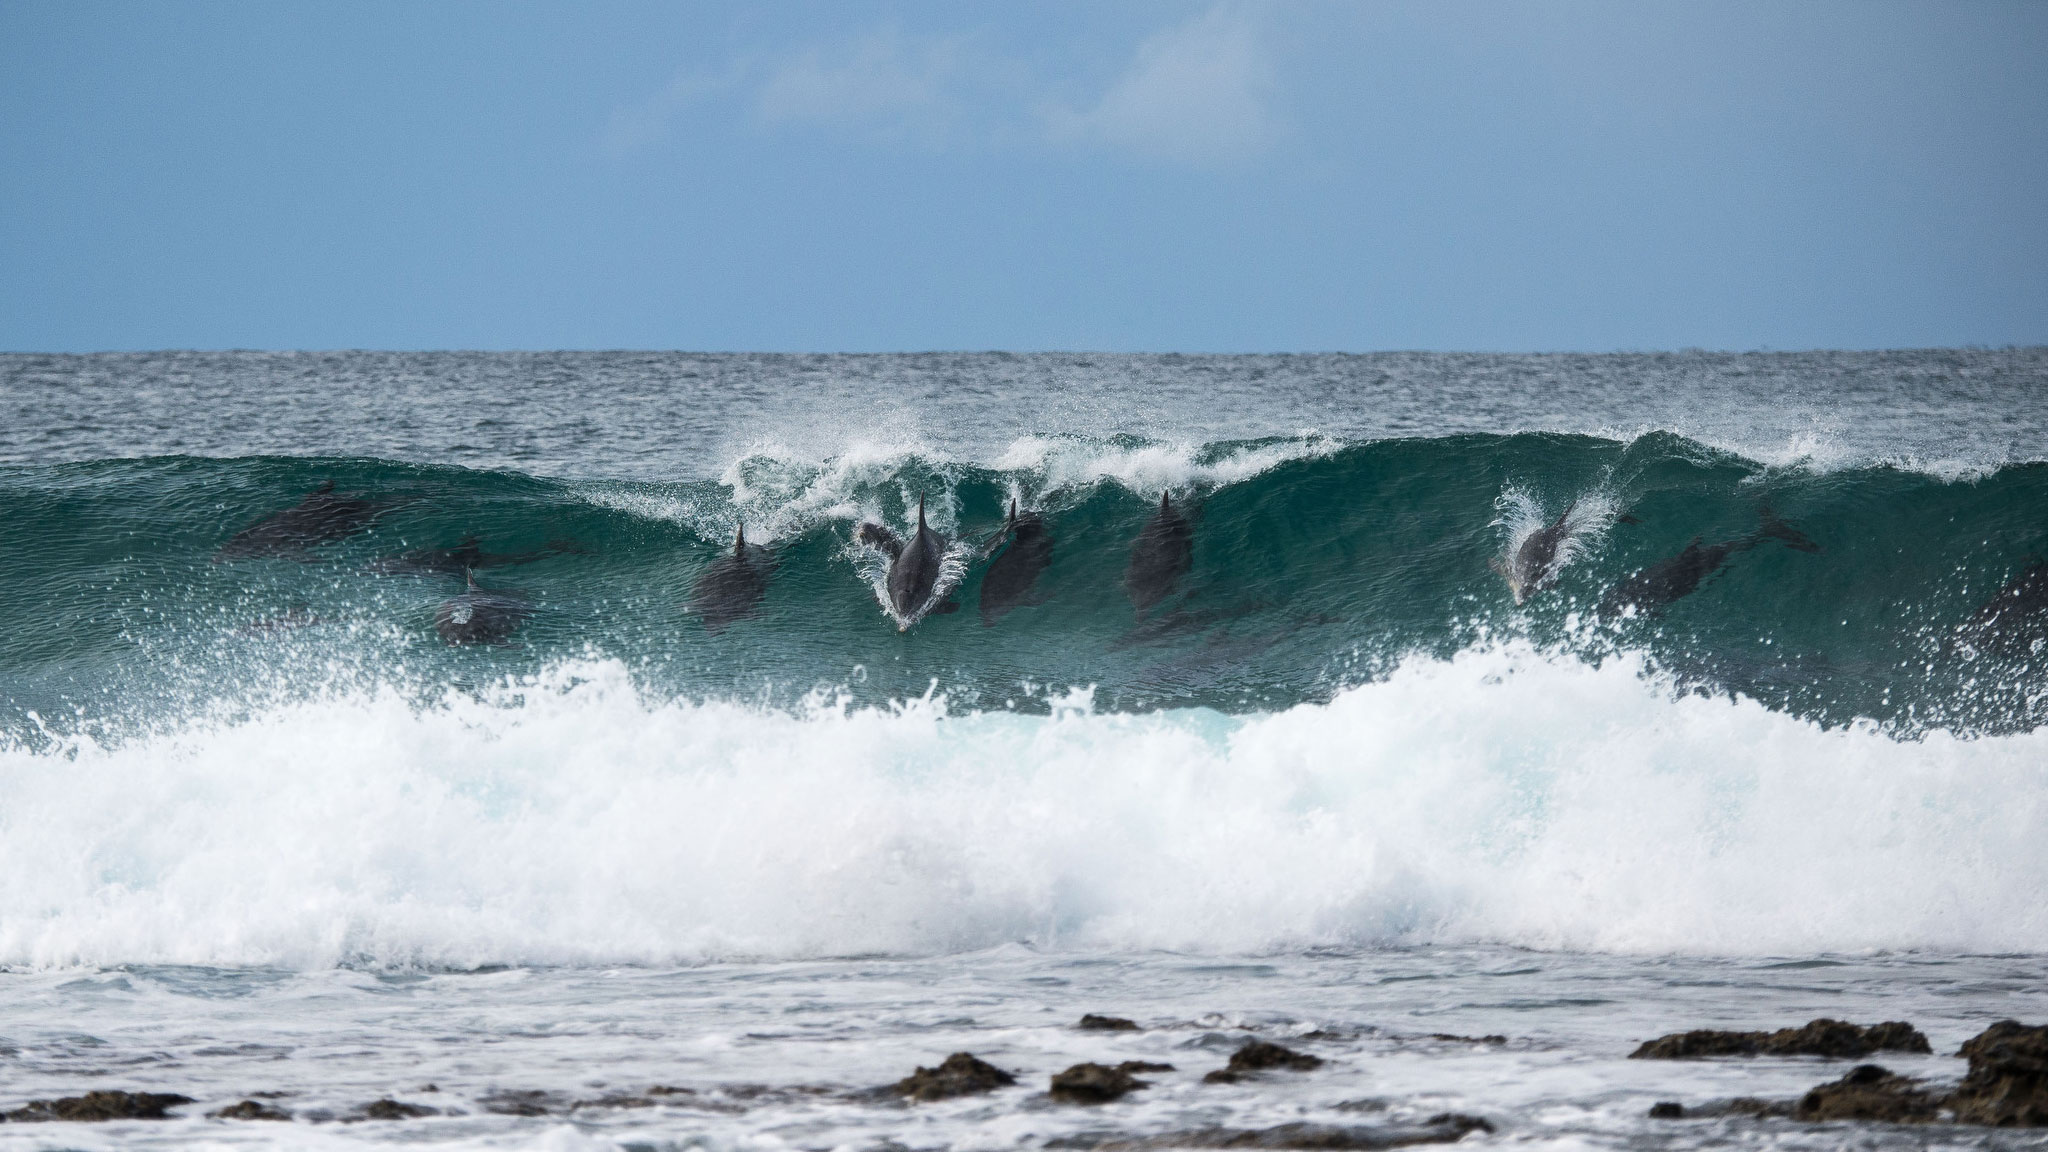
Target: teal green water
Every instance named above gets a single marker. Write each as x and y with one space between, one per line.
1319 564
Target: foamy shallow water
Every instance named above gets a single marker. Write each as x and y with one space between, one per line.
772 1052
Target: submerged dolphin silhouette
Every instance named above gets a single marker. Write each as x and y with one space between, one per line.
2015 619
1013 574
322 517
1652 587
913 566
464 557
732 586
480 616
1163 552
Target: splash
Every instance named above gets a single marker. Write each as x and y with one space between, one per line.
1502 795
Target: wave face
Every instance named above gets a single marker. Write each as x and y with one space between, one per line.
1861 594
1446 670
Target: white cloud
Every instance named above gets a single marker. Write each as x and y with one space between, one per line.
1197 92
882 81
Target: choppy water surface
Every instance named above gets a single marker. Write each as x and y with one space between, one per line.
1491 694
776 1055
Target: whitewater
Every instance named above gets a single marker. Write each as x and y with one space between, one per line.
627 881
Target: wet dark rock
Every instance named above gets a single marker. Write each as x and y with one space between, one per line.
250 1110
97 1106
614 1100
1869 1092
2008 1081
1667 1110
1831 1038
1093 1023
523 1102
1143 1066
1446 1128
1750 1106
1092 1084
1260 1056
960 1075
389 1109
1452 1038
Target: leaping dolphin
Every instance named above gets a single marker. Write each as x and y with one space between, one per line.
1535 561
913 567
322 517
1651 588
480 615
1013 574
1163 552
733 585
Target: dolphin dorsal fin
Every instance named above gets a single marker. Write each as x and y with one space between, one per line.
1013 509
469 578
1164 505
739 541
920 509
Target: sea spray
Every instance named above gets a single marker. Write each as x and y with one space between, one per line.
1504 796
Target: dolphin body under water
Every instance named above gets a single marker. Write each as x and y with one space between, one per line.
322 517
464 557
913 565
1013 575
1674 577
732 586
1536 560
480 616
2015 620
1163 553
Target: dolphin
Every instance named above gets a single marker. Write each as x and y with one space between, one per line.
913 566
1163 553
1674 577
1012 575
732 586
480 616
2015 619
1535 561
464 557
322 517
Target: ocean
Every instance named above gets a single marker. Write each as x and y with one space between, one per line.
405 727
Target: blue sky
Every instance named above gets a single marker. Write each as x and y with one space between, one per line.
1145 176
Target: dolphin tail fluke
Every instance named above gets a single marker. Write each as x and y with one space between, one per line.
1776 529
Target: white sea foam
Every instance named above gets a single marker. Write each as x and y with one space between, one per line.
1503 796
1149 468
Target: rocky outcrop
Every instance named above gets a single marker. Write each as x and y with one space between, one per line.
97 1106
1869 1092
1093 1023
250 1110
1260 1056
389 1109
1831 1038
960 1075
1093 1084
2008 1081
